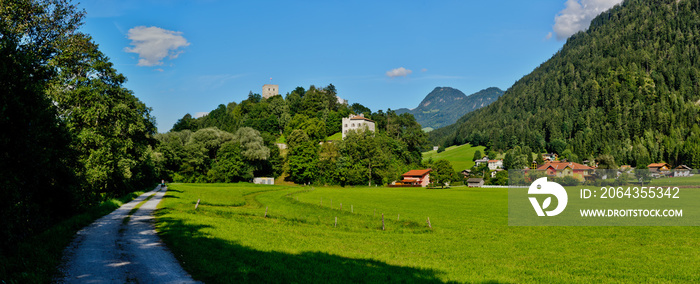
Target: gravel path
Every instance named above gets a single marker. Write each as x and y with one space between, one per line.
109 251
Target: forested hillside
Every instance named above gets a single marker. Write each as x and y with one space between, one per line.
628 87
237 142
444 105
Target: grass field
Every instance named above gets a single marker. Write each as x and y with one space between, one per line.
459 156
228 239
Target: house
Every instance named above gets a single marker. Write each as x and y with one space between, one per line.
435 148
475 182
658 169
357 122
466 173
561 169
550 157
681 171
495 164
625 167
415 178
484 160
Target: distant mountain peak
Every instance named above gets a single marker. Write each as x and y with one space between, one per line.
444 105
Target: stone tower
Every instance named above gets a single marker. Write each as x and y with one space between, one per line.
270 90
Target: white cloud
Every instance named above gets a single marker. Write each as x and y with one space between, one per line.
152 44
577 16
398 72
200 114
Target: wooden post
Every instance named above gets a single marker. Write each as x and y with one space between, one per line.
341 206
383 228
336 221
196 205
351 211
265 212
397 217
429 226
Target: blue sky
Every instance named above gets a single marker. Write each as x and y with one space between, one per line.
190 56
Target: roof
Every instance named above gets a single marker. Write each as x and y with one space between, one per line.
475 180
558 165
683 167
495 161
359 117
658 165
419 173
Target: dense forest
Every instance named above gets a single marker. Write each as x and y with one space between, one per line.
72 135
238 141
627 88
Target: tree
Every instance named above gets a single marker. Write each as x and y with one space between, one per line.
443 173
477 155
302 157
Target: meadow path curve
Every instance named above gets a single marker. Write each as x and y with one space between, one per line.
112 250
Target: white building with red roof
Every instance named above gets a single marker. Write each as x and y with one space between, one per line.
356 122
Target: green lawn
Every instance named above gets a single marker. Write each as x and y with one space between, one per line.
335 137
228 239
677 181
460 156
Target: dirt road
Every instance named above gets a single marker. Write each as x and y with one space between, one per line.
113 251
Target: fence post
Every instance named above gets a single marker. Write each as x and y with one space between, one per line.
429 226
196 205
383 228
265 212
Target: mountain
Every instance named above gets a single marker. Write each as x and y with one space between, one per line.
628 87
444 105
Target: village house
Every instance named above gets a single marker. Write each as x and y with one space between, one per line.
681 171
550 157
495 172
475 182
484 160
562 169
495 164
415 178
659 169
357 122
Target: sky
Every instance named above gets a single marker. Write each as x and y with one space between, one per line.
190 56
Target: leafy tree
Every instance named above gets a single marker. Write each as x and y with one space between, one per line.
38 181
302 158
477 155
443 173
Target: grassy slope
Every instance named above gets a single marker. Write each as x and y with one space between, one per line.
460 156
335 137
229 241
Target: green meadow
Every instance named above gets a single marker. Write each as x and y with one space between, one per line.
228 238
459 156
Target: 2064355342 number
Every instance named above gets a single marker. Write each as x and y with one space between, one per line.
639 192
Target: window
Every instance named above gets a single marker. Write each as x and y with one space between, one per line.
346 125
353 125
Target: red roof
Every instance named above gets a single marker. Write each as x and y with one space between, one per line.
416 173
558 165
494 161
357 117
658 165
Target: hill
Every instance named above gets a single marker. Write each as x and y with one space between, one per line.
459 156
628 86
444 105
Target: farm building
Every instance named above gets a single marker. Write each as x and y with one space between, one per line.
681 171
264 180
415 178
475 182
